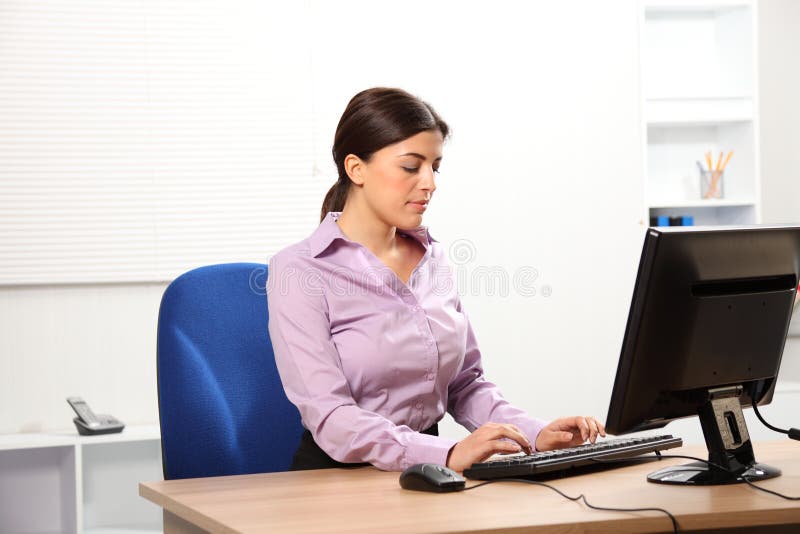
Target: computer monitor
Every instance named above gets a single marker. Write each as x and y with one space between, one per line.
706 330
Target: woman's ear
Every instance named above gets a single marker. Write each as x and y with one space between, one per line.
354 167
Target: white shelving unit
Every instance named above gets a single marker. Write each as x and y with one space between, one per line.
67 483
700 92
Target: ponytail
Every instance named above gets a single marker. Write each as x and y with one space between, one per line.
335 198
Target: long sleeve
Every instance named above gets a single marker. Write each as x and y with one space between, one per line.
311 371
474 401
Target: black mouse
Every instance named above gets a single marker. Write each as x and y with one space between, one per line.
431 477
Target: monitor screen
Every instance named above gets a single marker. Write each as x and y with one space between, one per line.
708 319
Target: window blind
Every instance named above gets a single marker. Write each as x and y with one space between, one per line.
139 139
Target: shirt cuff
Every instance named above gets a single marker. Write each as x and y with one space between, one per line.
532 428
427 449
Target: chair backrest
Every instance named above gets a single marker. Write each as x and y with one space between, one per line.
221 403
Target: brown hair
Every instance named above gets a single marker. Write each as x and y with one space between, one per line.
374 119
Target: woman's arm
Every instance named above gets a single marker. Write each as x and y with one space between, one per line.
310 369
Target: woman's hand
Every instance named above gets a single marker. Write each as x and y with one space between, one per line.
487 440
569 432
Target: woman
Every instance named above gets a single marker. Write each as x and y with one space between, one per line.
369 334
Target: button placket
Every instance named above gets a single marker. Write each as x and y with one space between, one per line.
430 352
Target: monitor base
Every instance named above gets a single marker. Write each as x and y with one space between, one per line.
731 459
701 474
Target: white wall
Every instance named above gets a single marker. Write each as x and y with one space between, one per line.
779 85
779 46
543 170
97 342
544 156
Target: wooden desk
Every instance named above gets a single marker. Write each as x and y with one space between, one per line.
368 500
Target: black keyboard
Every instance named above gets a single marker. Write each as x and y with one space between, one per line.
566 459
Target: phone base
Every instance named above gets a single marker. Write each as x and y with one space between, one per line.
111 426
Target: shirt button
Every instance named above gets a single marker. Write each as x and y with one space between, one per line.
416 308
429 342
430 376
419 405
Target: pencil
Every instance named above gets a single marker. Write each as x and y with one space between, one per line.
719 161
727 159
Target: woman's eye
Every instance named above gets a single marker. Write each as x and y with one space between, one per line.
412 170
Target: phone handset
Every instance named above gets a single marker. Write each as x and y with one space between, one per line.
84 412
88 423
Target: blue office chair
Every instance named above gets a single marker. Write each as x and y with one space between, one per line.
221 403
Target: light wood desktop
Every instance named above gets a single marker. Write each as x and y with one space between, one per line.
368 500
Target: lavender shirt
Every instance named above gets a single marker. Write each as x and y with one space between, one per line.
370 361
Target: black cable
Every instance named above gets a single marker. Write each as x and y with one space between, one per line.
579 498
793 433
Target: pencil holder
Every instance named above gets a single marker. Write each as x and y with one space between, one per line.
711 184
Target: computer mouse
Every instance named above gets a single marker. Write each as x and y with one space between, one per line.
431 477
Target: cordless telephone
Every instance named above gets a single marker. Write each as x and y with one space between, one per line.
88 423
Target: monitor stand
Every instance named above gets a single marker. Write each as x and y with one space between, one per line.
728 445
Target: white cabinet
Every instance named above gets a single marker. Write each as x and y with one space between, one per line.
63 482
700 93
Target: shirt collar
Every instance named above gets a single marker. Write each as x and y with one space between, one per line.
328 231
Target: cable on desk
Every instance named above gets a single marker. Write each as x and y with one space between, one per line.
580 497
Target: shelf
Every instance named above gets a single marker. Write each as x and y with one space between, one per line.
700 203
699 50
673 151
709 214
697 111
129 433
687 8
68 438
10 442
700 93
64 482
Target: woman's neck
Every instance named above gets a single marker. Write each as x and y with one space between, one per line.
366 228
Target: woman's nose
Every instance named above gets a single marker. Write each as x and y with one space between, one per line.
428 182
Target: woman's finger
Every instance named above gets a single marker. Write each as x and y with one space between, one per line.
583 427
510 432
502 445
593 430
602 428
488 449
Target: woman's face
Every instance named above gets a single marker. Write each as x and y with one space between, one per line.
398 181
